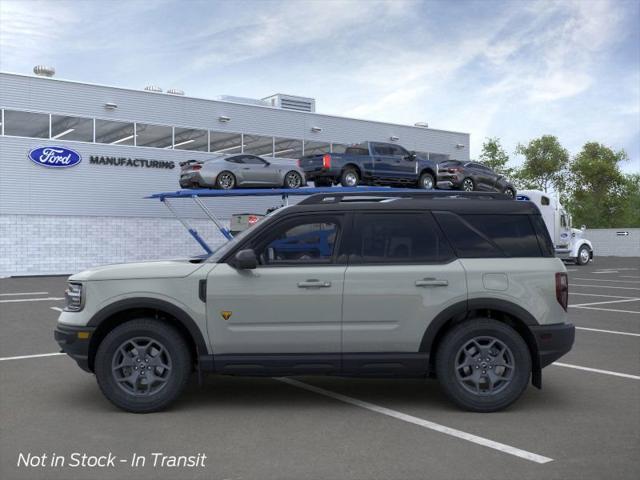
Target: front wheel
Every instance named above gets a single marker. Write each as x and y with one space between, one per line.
509 192
426 181
468 185
583 255
142 365
293 180
483 365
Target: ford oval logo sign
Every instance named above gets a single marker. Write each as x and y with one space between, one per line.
55 157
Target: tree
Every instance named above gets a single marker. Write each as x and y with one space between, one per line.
601 195
545 164
495 157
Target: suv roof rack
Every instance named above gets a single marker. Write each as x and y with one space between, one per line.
392 194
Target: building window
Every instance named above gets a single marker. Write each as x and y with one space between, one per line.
225 143
157 136
316 148
258 145
71 128
26 124
191 139
287 148
115 133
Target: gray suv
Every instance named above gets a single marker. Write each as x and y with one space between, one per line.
461 287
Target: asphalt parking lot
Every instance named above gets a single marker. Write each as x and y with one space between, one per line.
584 423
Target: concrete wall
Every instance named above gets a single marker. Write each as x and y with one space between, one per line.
607 242
55 244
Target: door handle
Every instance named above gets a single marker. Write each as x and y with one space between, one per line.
314 284
431 282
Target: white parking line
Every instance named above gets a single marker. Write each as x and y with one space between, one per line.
57 309
23 293
607 271
608 331
23 357
596 295
597 370
603 286
602 303
50 299
609 310
629 276
607 280
485 442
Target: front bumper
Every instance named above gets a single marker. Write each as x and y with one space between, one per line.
553 341
74 341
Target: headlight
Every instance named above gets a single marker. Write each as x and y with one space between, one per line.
73 297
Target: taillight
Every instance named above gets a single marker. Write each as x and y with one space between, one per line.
299 162
196 167
562 289
326 161
454 170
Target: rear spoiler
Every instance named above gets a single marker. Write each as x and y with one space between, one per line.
189 162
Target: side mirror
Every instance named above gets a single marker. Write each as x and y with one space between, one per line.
245 260
583 228
412 156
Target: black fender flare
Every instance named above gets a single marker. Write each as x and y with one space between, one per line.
153 304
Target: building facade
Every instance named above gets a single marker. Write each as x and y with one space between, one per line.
128 145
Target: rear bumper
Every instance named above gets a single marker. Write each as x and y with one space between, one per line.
313 173
448 181
553 341
73 344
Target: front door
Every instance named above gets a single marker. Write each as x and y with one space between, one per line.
402 273
289 305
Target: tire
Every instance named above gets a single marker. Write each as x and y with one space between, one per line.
225 180
167 358
322 182
583 255
349 177
470 390
293 180
467 185
426 181
509 192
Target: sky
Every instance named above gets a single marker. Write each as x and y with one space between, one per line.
509 69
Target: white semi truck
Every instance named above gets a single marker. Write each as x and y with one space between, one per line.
569 242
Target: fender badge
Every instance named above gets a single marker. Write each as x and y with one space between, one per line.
225 314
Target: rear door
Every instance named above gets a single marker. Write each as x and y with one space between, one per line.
402 273
383 160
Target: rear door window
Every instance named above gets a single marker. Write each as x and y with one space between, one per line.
467 241
398 238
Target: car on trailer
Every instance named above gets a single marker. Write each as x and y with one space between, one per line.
473 176
227 172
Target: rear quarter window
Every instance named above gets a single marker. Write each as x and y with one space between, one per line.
494 235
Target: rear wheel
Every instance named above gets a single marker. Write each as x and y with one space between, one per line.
293 179
226 180
349 177
426 181
468 185
142 365
483 365
583 255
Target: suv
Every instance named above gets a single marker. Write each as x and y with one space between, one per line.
461 287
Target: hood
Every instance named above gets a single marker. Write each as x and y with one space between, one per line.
577 233
129 271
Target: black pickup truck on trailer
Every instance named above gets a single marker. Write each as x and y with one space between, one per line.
370 163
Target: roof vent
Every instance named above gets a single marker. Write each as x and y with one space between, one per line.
44 71
175 91
292 102
153 88
421 124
